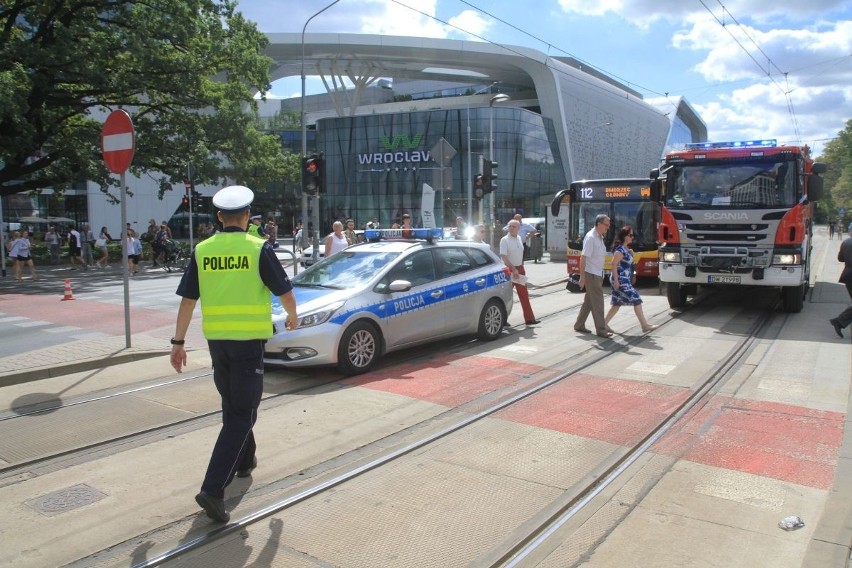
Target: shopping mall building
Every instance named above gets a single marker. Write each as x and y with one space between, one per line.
428 111
402 114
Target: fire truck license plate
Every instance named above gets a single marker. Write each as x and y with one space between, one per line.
722 279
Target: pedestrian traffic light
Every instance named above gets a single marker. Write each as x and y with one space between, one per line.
185 203
478 186
489 177
312 174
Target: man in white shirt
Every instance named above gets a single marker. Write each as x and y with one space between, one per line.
512 253
524 233
591 278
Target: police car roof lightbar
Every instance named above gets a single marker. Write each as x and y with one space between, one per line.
739 144
373 235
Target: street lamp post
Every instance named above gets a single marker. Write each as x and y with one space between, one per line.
315 216
492 212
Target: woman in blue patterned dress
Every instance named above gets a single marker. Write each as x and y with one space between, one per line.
623 292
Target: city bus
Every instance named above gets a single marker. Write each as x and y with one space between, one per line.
625 201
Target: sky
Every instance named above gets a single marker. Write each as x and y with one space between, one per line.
752 69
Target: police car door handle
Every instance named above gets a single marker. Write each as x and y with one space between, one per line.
480 281
437 294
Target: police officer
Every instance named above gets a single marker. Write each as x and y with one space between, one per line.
233 274
255 227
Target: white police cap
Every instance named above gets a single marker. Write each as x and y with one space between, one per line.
233 198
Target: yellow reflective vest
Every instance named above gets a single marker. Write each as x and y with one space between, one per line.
254 230
235 303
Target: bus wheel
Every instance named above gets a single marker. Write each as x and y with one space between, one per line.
793 298
676 294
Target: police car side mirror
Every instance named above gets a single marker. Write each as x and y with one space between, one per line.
399 286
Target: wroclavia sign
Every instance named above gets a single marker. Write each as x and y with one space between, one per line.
397 150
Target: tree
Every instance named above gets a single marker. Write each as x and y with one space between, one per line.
185 71
838 178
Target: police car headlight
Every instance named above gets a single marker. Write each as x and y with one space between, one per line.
671 256
319 316
786 259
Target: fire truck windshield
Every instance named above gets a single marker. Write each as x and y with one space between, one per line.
752 185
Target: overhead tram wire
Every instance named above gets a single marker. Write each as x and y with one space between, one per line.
550 45
589 84
770 63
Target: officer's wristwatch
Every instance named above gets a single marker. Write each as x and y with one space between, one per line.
177 341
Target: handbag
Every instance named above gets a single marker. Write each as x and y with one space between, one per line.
100 242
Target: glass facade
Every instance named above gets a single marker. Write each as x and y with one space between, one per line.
376 165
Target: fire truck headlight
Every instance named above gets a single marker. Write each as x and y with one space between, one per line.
788 259
672 256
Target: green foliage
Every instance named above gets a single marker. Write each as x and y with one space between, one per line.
838 179
289 120
185 71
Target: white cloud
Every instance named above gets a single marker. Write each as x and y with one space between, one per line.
473 22
404 19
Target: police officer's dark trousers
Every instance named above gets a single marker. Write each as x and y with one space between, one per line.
238 374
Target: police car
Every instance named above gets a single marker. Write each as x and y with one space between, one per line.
400 288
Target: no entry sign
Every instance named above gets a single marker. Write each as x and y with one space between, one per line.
118 141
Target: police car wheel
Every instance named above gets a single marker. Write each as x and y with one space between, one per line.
359 349
491 320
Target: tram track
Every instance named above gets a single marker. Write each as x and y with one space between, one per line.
51 406
452 421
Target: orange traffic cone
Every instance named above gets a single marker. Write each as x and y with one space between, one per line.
69 295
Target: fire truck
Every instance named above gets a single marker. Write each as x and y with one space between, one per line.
737 213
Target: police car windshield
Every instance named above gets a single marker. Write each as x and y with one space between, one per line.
346 269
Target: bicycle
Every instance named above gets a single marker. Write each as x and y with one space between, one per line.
176 257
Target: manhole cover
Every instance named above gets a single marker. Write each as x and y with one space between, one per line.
66 499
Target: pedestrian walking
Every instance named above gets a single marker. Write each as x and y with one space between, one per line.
297 238
524 233
20 252
233 274
512 253
478 234
336 241
271 232
133 251
591 278
74 240
88 240
349 231
101 244
621 279
844 255
51 238
832 226
159 244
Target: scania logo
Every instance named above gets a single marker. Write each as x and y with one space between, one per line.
732 216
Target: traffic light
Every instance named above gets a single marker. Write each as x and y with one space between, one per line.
195 201
185 203
489 177
478 186
312 174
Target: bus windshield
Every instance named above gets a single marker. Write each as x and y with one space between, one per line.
625 202
750 185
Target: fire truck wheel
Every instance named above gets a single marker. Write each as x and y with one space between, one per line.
793 298
676 295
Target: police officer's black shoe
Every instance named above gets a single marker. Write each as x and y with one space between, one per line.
213 506
247 472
